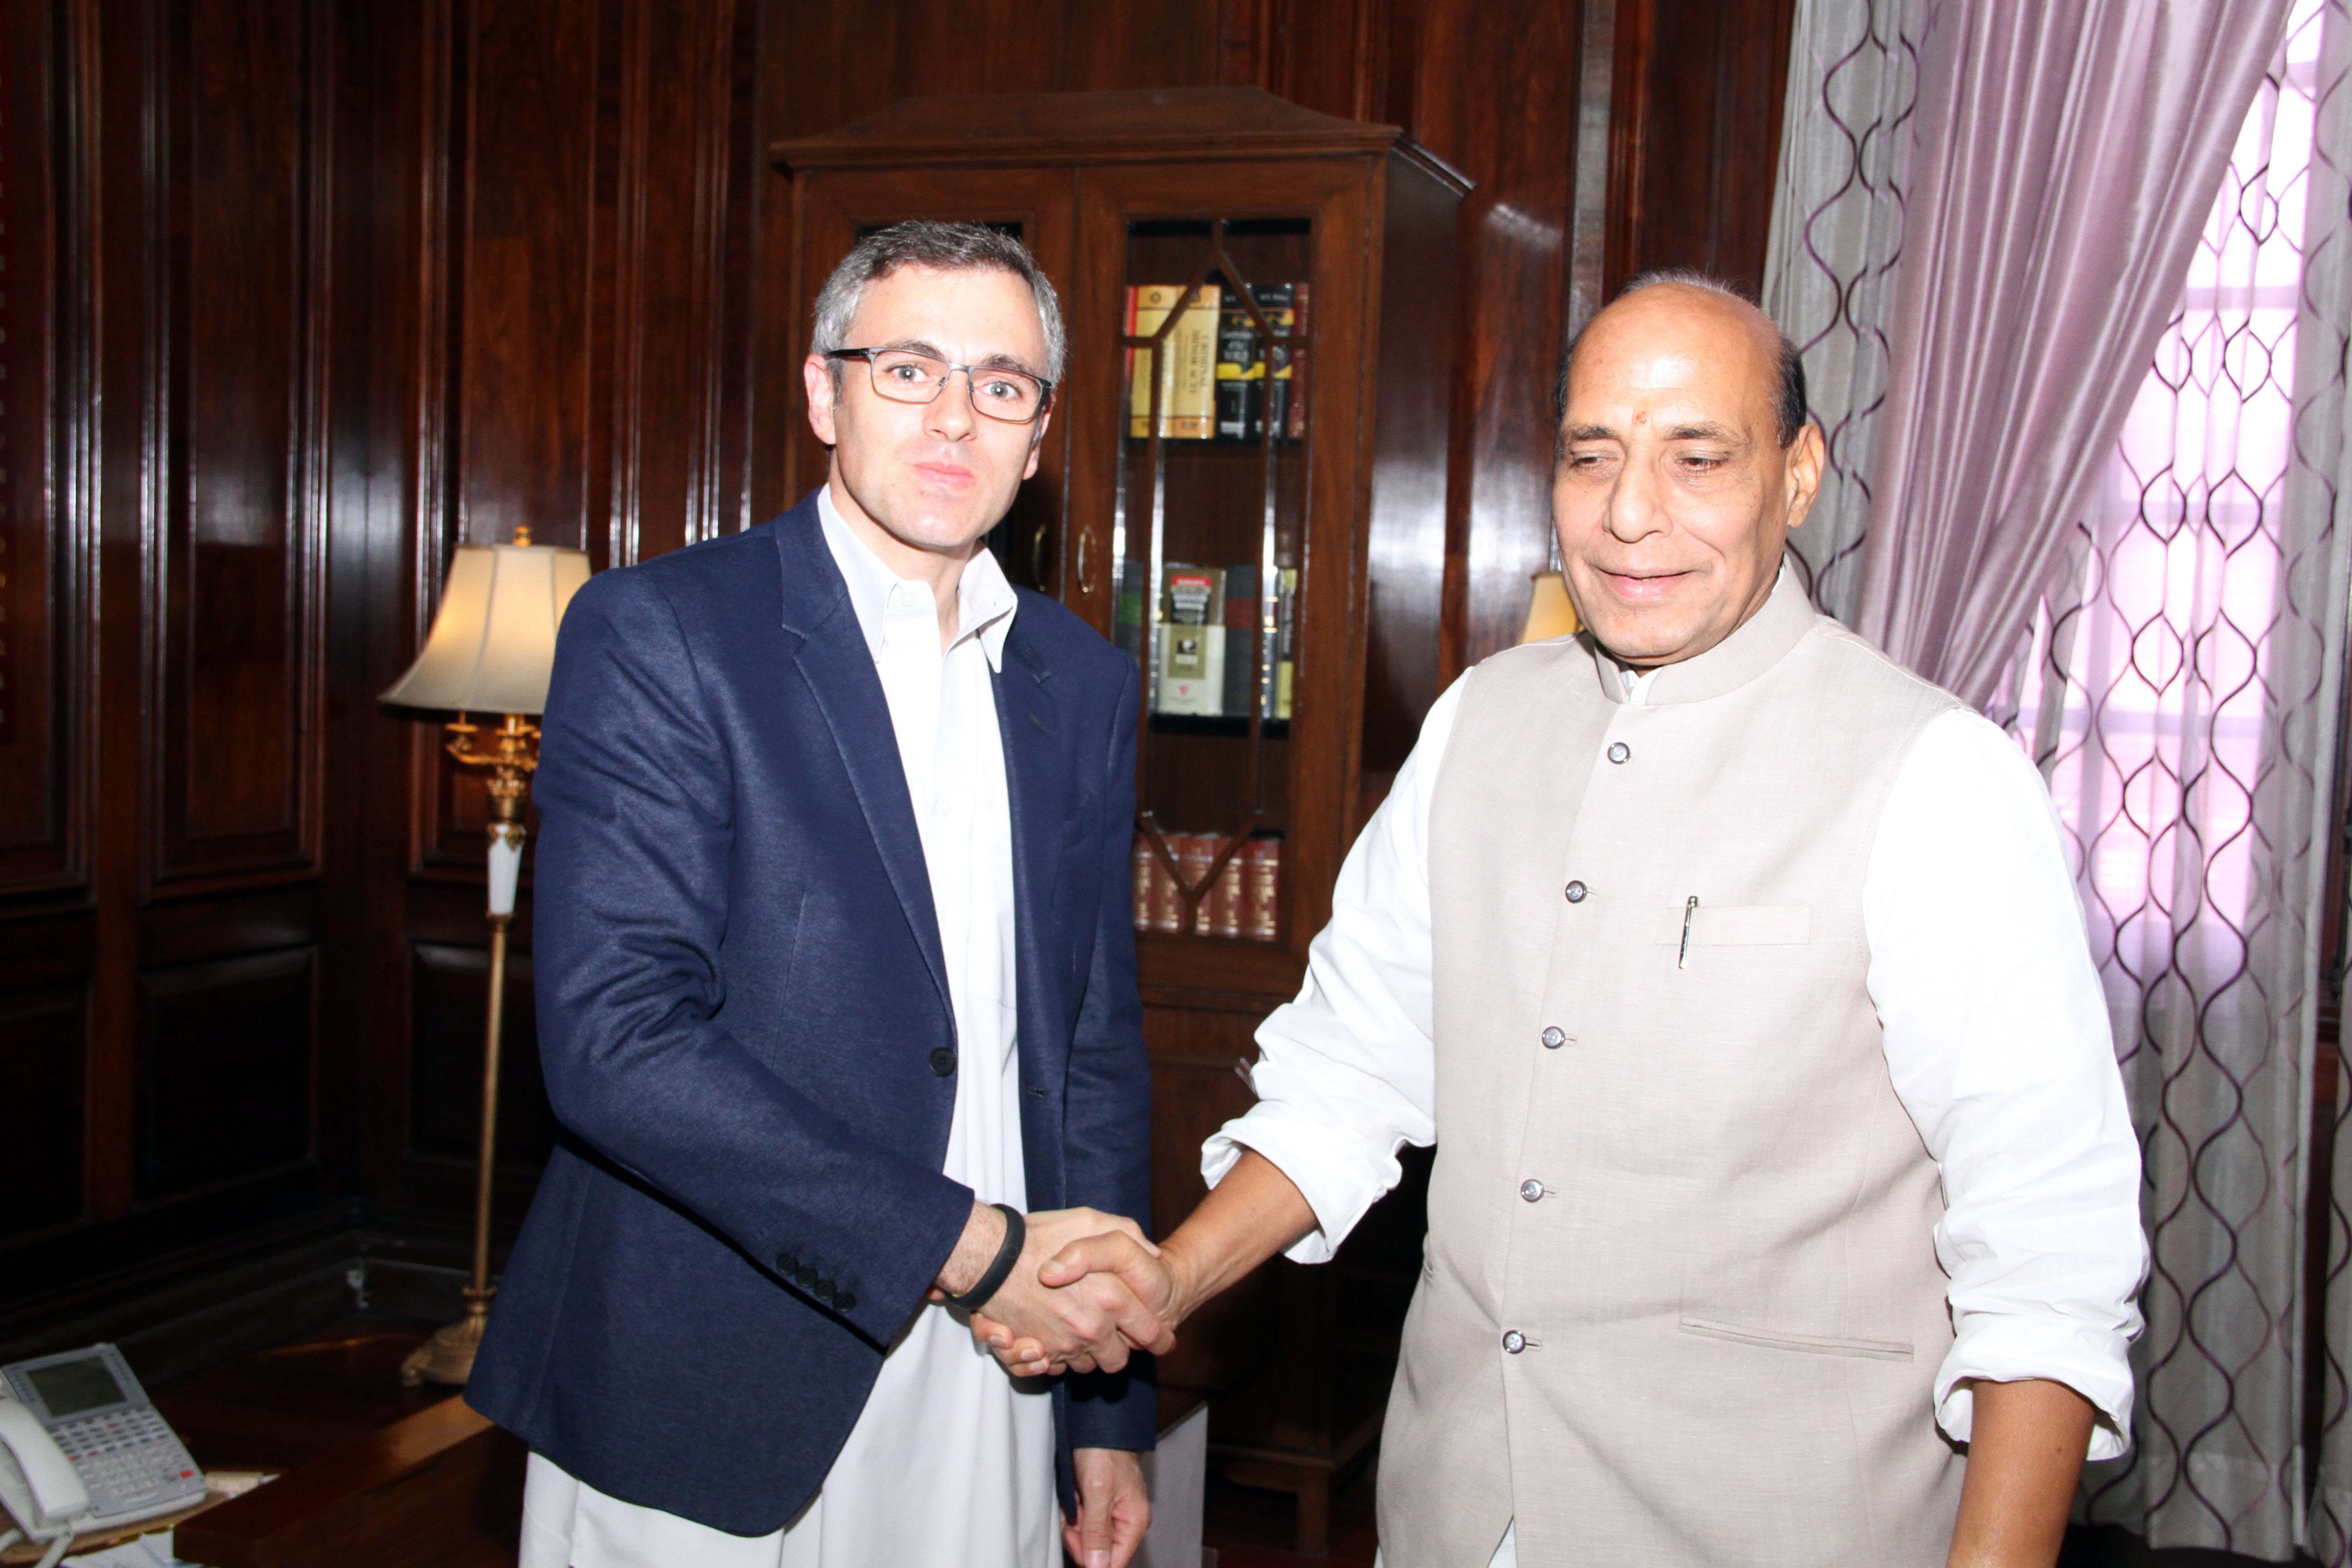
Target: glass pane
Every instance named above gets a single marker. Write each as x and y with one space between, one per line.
1210 508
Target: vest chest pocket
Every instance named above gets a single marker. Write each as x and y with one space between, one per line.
1736 925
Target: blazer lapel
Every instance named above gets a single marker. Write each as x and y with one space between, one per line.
1039 774
839 669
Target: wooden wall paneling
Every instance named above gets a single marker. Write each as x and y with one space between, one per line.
670 231
42 572
236 652
42 1062
225 1071
1495 93
1696 136
528 146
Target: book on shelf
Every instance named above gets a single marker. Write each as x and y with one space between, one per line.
1183 363
1243 901
1192 665
1127 613
1261 381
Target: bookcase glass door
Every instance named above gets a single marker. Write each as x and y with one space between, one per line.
1208 517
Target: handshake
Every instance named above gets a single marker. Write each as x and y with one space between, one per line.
1088 1289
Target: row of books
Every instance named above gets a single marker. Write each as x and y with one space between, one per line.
1211 624
1219 377
1245 902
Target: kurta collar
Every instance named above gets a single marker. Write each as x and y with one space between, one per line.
1761 641
986 602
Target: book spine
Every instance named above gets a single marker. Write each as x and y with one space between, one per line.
1192 642
1294 414
1167 909
1286 621
1225 900
1239 374
1148 305
1196 854
1140 859
1262 890
1241 639
1193 367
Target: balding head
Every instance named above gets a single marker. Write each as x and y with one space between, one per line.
1679 476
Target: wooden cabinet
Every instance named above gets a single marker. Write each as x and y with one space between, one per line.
1244 484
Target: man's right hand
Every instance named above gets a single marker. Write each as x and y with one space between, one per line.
1124 1255
1085 1320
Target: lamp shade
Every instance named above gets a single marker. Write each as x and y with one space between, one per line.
493 641
1549 614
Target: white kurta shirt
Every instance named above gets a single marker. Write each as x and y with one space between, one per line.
949 1461
2007 1069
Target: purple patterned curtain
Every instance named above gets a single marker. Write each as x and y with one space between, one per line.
1837 239
2184 700
2065 158
2023 304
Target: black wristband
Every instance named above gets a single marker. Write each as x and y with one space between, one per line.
1016 1236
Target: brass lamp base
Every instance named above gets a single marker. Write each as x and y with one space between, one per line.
448 1355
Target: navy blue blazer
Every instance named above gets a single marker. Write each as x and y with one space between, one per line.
744 1026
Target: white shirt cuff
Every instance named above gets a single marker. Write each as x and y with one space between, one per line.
2001 1347
1338 1174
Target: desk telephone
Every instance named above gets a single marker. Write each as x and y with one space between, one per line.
82 1450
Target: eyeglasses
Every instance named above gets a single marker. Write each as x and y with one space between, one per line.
902 376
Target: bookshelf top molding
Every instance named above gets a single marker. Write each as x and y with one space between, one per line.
1150 125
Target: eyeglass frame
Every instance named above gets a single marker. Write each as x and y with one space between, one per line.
1045 387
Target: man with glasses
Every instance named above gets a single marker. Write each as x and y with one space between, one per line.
836 980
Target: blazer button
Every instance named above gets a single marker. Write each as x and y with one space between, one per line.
787 1264
1553 1039
823 1290
944 1061
1514 1342
845 1303
1576 892
1618 750
804 1277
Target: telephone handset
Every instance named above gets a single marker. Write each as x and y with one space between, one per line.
82 1450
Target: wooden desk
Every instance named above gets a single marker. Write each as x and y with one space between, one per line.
441 1488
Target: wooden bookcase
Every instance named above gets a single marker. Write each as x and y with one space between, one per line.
1232 189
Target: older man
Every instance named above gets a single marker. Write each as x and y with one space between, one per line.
835 978
1785 1205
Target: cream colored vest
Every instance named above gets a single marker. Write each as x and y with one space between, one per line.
1681 1303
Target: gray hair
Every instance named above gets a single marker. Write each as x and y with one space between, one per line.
943 247
1789 398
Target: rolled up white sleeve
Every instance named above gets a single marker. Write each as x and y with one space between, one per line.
1344 1074
1998 1041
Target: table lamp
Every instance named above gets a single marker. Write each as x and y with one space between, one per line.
491 651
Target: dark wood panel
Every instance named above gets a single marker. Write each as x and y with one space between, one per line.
672 275
39 559
185 930
450 993
237 752
47 950
44 1061
1495 96
526 331
225 1071
1698 134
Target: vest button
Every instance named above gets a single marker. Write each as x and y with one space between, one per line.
1618 750
944 1061
1531 1189
1514 1342
1553 1039
1576 892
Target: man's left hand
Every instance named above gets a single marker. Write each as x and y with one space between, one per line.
1113 1511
